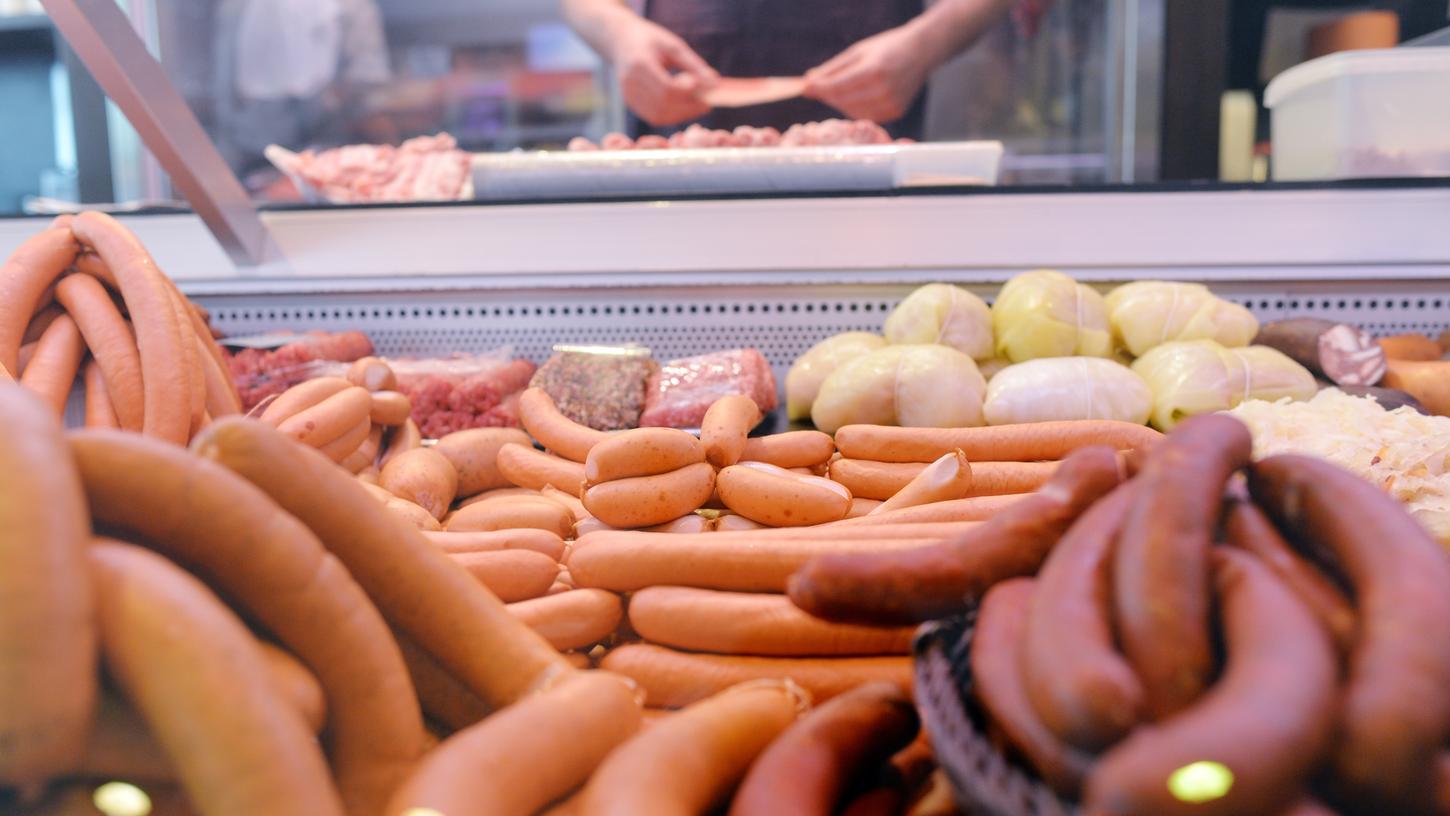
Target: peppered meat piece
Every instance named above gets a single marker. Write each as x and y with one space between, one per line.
603 391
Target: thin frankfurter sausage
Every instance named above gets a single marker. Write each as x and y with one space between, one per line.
672 678
403 438
512 575
300 397
121 746
501 493
372 373
176 650
221 396
576 507
517 512
947 479
1396 713
51 373
1161 581
24 277
931 582
861 507
808 768
572 620
351 441
419 588
536 751
415 516
47 620
734 522
977 508
474 454
997 685
688 524
99 412
745 561
1080 687
1027 442
883 480
790 449
641 452
231 535
1247 528
644 501
191 358
540 541
523 466
365 456
422 476
111 343
42 320
441 695
1268 719
703 620
329 419
776 497
727 423
390 408
688 764
165 371
556 432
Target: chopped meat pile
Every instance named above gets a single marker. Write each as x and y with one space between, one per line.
260 373
809 134
427 168
444 403
603 391
682 390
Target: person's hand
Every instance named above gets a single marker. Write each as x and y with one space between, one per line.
661 77
875 79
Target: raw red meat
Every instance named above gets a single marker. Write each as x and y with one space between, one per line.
444 403
260 373
426 168
808 134
682 390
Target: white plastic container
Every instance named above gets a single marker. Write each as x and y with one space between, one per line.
1363 114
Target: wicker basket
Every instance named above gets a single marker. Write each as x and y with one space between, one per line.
985 782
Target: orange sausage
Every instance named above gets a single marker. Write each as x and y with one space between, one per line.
672 679
882 480
946 479
415 516
977 508
390 408
474 454
221 395
176 651
422 476
808 769
526 467
644 501
443 698
99 412
641 452
1026 442
24 277
540 541
52 371
535 751
300 397
47 619
111 343
690 523
790 449
575 506
779 498
512 575
760 561
42 320
402 439
515 512
230 534
365 457
1410 347
351 442
727 423
556 432
191 358
296 685
703 620
329 419
690 762
734 522
572 620
861 507
121 746
373 374
166 373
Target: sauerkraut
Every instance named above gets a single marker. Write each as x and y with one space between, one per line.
1405 453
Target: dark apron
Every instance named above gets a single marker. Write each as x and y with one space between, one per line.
760 38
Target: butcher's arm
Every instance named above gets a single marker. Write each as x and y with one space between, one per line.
947 27
599 22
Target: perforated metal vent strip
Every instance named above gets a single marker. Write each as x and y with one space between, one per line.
781 322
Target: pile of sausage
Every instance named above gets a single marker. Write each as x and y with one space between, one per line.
84 299
828 132
1174 653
